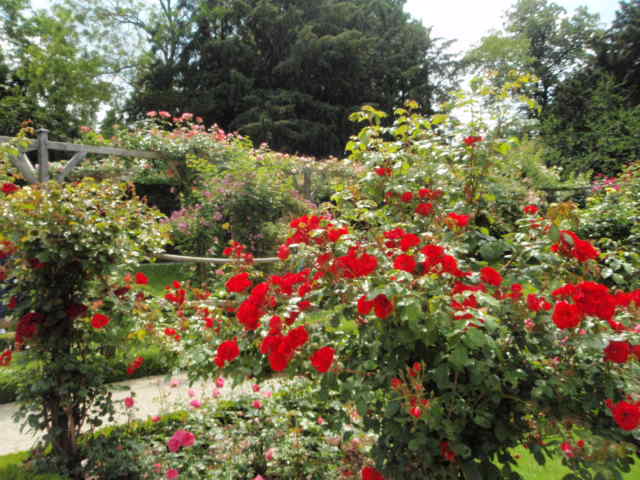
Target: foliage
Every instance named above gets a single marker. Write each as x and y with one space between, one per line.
279 435
611 217
286 73
65 241
455 343
11 468
51 78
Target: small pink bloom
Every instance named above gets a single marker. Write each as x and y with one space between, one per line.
174 383
196 403
321 421
267 394
257 404
164 114
129 402
157 467
216 393
219 382
256 388
270 454
173 473
259 477
152 113
191 392
155 418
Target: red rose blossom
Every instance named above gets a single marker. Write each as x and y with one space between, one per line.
471 140
227 352
100 321
370 473
383 306
142 279
8 188
322 359
406 263
626 415
566 315
239 283
491 276
617 351
531 209
424 209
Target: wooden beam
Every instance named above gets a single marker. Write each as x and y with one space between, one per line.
43 155
22 163
183 259
121 152
71 164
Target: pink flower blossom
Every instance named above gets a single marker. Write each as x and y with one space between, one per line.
191 392
152 113
257 404
196 403
219 382
174 383
155 418
270 454
157 467
180 439
129 402
164 114
173 473
256 388
216 393
267 394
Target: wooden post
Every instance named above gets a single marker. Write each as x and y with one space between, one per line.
43 155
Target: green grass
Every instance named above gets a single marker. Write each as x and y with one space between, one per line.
163 274
12 468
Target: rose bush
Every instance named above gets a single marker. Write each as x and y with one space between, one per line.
71 309
453 344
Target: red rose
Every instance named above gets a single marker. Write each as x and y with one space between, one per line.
626 415
460 219
364 305
617 352
491 276
531 209
283 252
5 358
141 279
239 283
322 359
566 315
406 197
382 306
100 321
9 188
409 240
370 473
384 172
470 140
424 209
227 352
416 412
406 263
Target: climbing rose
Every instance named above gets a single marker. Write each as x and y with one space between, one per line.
9 188
141 279
626 415
322 359
405 262
424 209
460 219
382 306
227 352
571 245
181 438
99 321
491 276
239 283
5 358
617 352
470 140
370 473
566 315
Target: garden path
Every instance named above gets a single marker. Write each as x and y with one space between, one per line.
153 396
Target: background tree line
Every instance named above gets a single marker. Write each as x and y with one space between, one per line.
289 72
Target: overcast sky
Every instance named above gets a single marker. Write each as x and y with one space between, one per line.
469 20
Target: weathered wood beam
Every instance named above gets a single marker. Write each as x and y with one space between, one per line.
121 152
22 163
43 155
71 164
183 259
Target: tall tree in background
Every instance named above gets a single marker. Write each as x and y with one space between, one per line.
289 72
48 76
539 37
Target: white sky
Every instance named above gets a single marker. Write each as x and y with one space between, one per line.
469 20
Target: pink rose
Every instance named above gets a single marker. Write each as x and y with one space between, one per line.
196 403
173 473
191 392
129 402
216 393
219 382
256 388
257 404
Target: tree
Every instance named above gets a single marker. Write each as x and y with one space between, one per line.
50 77
540 38
290 72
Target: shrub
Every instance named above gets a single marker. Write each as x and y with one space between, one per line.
453 343
65 241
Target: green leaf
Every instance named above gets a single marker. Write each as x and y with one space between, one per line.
471 471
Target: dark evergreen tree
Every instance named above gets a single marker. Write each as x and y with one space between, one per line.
290 72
